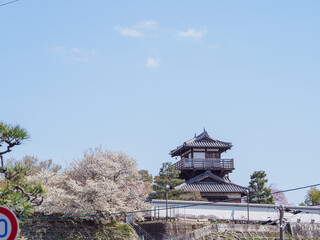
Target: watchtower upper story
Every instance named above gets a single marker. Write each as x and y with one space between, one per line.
200 154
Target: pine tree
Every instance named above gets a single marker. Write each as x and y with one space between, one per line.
168 175
16 192
262 193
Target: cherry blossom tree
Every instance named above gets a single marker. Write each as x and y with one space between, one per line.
279 197
99 182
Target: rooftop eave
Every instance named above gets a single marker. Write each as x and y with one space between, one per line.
179 150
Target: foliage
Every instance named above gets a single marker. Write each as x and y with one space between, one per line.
17 193
146 176
168 175
280 197
192 196
257 184
312 197
99 182
10 136
115 231
147 179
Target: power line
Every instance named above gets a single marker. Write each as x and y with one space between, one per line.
8 3
282 191
298 188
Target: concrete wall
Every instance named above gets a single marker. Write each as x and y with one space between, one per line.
232 211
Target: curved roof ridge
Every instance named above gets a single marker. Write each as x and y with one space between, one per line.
202 136
204 175
203 140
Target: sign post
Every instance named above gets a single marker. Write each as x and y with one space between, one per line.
9 225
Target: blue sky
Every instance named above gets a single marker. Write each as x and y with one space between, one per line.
144 76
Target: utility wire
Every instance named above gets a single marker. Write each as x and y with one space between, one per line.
298 188
287 190
8 3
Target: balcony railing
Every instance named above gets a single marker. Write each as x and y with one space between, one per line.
204 164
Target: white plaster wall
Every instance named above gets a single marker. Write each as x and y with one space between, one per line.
232 211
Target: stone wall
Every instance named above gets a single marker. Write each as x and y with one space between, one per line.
165 230
233 231
206 231
55 229
70 229
304 230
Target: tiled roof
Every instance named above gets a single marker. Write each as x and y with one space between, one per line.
212 188
218 185
202 140
205 175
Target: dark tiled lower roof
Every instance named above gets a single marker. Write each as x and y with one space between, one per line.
215 185
212 187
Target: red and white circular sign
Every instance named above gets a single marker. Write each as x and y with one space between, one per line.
9 225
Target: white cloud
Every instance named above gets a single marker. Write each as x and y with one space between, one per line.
212 46
152 62
192 33
74 53
149 24
135 31
61 50
128 32
81 59
75 50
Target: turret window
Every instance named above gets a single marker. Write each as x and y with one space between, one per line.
212 155
199 155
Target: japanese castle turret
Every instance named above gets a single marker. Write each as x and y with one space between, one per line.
205 171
